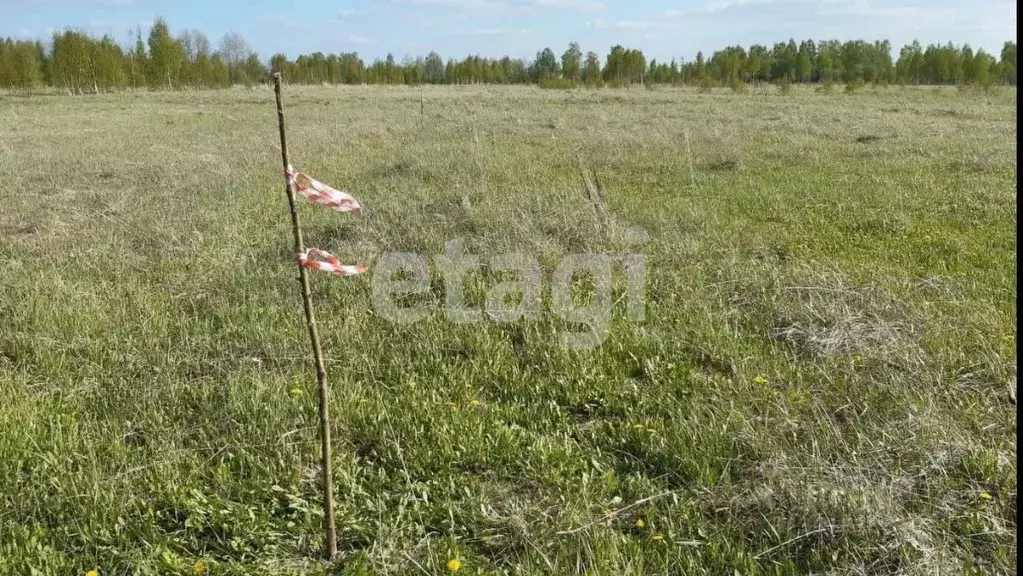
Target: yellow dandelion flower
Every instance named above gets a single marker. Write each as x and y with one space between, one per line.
985 496
92 573
657 537
200 567
475 403
640 523
760 379
454 565
296 392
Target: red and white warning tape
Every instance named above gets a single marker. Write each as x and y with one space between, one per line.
320 193
324 195
329 263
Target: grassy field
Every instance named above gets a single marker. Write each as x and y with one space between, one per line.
824 382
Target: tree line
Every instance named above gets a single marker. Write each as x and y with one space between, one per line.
76 62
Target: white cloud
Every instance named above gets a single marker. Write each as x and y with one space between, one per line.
863 8
495 31
581 5
452 3
95 3
349 12
521 6
720 6
287 21
601 24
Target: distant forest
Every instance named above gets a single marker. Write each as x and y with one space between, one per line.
77 63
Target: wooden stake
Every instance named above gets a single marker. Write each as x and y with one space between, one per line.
330 543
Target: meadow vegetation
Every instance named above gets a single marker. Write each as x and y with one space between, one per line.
825 380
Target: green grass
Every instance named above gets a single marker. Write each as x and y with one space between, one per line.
822 383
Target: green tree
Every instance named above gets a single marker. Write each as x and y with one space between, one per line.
700 68
966 64
829 60
165 54
108 65
196 48
758 64
413 70
624 66
783 59
393 71
730 64
352 68
545 66
852 59
138 62
279 63
909 64
72 61
1007 63
203 68
219 75
591 69
804 61
21 64
433 69
980 68
253 69
77 62
571 63
235 50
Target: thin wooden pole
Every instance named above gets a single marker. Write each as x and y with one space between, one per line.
330 544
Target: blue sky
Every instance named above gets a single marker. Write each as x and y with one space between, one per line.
456 28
